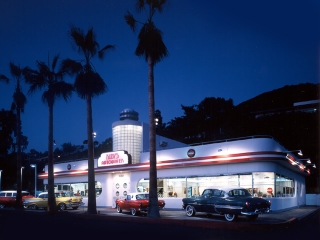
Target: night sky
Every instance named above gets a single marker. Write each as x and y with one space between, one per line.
218 48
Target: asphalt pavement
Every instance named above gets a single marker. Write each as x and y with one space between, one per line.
172 224
278 219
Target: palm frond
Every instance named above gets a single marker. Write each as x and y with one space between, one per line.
15 70
70 67
102 52
36 79
89 83
91 45
157 4
77 37
140 5
43 68
130 20
4 78
47 97
151 43
55 61
62 89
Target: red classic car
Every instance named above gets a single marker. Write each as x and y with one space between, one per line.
8 198
136 203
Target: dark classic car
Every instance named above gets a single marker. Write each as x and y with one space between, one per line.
227 201
136 203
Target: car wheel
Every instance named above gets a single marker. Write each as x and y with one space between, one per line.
190 211
133 212
119 210
252 217
75 208
2 206
62 206
33 207
230 217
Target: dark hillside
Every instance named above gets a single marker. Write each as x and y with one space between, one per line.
281 98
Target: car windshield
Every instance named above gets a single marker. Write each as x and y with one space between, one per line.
60 195
238 192
142 196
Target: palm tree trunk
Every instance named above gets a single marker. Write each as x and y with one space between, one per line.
153 210
51 198
92 209
19 180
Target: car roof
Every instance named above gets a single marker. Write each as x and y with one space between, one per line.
224 188
14 191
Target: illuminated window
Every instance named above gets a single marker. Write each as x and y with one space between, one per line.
128 138
260 184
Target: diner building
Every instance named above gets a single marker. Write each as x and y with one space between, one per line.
258 163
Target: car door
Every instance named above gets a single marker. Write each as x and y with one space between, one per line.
43 200
126 202
214 199
228 203
201 203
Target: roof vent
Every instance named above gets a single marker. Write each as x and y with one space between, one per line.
129 114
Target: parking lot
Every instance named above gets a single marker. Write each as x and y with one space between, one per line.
173 224
178 216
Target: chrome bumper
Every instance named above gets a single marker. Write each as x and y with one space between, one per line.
257 211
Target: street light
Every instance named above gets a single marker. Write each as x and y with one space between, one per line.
0 180
35 178
21 175
312 164
307 159
299 152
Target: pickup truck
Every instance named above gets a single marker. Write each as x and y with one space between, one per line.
8 198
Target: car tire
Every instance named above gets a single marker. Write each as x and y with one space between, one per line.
119 210
133 212
230 217
252 217
75 208
2 206
62 207
33 207
190 211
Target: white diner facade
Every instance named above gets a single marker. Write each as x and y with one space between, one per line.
259 163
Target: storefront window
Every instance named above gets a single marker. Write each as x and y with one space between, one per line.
284 186
263 184
260 184
80 189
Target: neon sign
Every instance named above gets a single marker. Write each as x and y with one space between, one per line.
113 158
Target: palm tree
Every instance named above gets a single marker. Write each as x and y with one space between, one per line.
46 77
151 46
3 78
19 100
88 84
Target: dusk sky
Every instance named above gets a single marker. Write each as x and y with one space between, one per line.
218 48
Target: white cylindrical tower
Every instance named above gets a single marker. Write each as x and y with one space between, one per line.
127 134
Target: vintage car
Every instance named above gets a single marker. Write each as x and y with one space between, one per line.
8 198
227 201
136 203
64 200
